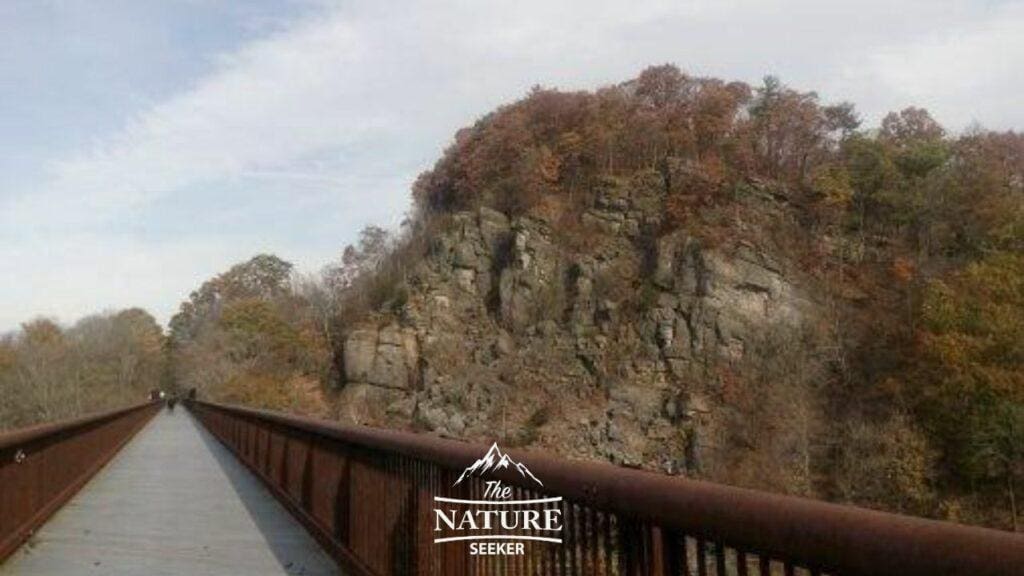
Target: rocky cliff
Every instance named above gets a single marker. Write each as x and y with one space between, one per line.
684 274
607 341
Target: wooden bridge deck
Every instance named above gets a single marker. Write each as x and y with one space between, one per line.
173 502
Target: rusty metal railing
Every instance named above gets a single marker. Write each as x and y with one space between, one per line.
43 466
367 496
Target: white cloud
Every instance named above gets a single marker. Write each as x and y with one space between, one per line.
265 107
82 276
962 74
327 120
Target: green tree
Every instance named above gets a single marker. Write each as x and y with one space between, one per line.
259 335
872 174
789 130
264 276
994 448
970 384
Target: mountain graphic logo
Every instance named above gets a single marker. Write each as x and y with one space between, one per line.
495 459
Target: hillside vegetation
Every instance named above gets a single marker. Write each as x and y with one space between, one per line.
107 361
739 283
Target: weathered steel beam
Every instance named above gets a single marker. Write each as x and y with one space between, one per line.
362 490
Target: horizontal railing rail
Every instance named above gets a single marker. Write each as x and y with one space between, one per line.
43 466
367 495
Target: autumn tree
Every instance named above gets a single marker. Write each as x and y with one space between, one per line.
264 276
910 125
977 207
49 372
970 382
789 130
42 369
841 119
251 324
885 462
8 389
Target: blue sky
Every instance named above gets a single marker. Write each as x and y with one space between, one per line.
146 145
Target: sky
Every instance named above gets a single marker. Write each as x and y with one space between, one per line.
146 145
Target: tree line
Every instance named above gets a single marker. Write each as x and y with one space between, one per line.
263 335
102 362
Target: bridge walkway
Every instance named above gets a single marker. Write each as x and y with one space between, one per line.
174 501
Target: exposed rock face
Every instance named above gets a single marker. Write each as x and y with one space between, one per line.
385 357
626 210
359 353
712 304
531 281
614 349
471 248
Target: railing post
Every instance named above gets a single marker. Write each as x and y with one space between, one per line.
665 552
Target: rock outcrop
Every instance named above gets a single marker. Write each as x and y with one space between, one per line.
612 347
531 282
710 304
385 357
